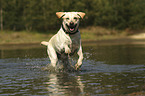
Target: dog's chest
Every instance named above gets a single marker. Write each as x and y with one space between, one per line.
63 40
75 39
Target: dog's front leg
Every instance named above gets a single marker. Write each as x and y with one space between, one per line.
67 49
79 63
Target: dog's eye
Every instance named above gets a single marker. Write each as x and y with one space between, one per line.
75 18
67 18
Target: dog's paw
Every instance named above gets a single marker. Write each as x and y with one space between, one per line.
67 50
77 67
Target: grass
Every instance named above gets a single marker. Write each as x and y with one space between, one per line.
12 37
89 33
99 33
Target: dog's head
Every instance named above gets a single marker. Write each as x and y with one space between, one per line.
70 20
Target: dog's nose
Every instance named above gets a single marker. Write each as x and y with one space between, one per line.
71 23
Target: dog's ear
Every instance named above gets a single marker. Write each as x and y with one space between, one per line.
60 14
81 14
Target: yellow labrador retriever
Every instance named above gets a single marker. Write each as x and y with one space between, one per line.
67 41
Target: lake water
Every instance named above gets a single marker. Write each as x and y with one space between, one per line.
106 70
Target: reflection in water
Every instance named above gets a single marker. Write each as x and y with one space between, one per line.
53 84
62 84
106 70
23 53
118 54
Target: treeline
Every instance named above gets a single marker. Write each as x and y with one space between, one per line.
40 14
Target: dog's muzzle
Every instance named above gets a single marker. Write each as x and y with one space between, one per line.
71 26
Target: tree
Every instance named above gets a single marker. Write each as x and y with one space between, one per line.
1 14
40 14
1 19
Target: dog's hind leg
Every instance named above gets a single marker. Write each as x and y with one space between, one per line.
52 55
64 61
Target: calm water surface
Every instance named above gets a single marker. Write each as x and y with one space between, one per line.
106 70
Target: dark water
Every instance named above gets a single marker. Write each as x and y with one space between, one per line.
107 70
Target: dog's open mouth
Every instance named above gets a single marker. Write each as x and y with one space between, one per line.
71 27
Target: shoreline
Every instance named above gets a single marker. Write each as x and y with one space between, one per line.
93 35
123 40
88 42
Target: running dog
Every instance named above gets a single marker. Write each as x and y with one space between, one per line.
67 41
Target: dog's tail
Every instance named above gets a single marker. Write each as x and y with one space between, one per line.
44 43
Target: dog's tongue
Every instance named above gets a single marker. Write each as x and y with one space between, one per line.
71 29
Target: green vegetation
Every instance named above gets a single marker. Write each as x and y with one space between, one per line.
12 37
100 33
39 15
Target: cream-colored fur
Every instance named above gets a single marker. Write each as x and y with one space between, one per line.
67 40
